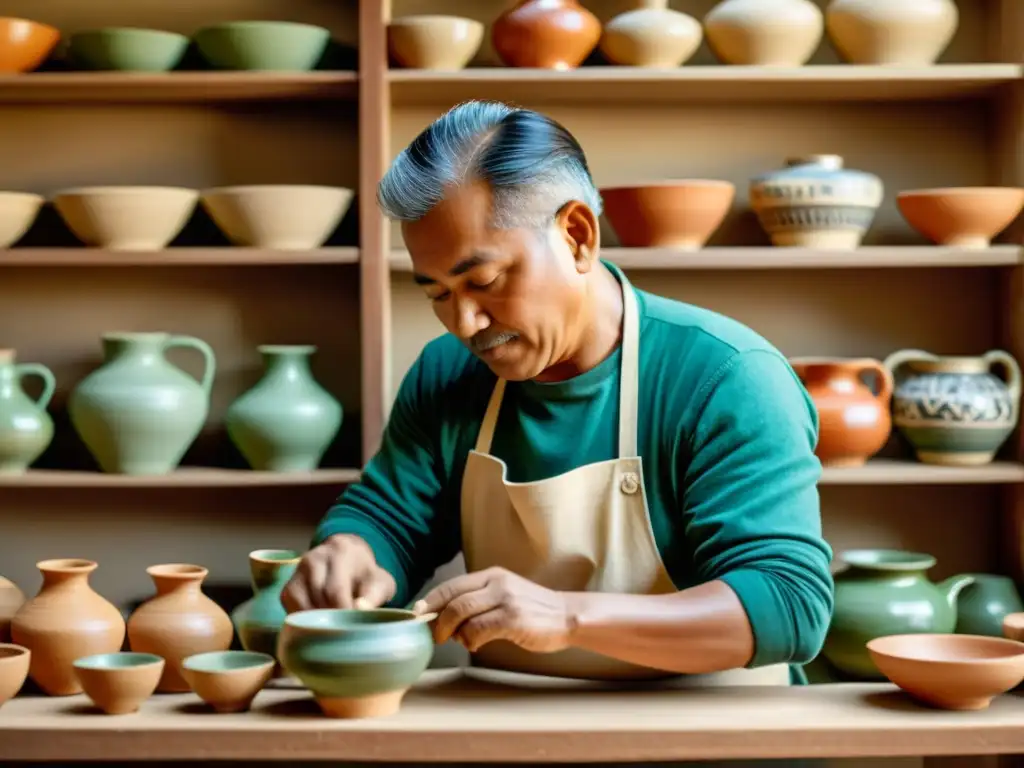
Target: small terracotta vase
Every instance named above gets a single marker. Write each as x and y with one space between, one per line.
11 599
64 622
651 35
764 33
179 621
893 32
854 422
545 34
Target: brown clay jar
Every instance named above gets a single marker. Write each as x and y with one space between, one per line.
546 34
178 621
11 599
64 622
854 422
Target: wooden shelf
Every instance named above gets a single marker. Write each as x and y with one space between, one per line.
868 257
186 477
457 717
893 472
704 83
122 87
98 257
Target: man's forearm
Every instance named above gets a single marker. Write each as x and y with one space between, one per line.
698 630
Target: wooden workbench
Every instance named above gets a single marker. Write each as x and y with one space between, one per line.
460 716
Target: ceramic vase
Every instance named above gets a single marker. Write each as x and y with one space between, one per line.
11 599
259 619
854 422
178 621
287 421
651 35
985 603
953 410
766 33
886 592
65 621
893 32
26 429
546 34
814 202
138 414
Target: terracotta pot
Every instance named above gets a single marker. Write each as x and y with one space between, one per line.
11 599
673 214
228 680
65 621
547 34
652 35
178 621
24 44
854 422
118 683
964 217
764 33
18 212
126 218
901 32
14 664
434 42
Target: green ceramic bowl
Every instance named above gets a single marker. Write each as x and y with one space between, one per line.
228 680
356 663
126 49
262 45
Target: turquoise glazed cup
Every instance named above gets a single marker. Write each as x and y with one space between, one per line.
119 682
356 663
281 46
228 680
125 49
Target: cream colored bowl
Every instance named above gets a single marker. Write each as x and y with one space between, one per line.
434 42
126 218
18 211
285 217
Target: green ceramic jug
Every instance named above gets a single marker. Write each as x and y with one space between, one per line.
886 592
258 620
286 422
26 429
138 414
984 604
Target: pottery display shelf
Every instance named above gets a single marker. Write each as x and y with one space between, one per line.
227 256
481 717
185 477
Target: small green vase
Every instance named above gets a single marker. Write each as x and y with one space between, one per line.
258 620
984 604
287 421
26 429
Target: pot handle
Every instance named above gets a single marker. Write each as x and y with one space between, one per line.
885 378
207 351
44 373
997 357
897 359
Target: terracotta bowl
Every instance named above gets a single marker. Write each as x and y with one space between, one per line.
963 672
228 680
1013 626
282 46
671 214
24 44
126 218
126 49
18 211
118 683
14 661
286 217
962 217
434 42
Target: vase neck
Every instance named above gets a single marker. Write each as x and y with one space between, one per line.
144 348
651 5
177 578
286 363
66 572
272 568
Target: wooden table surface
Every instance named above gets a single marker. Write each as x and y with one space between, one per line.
475 716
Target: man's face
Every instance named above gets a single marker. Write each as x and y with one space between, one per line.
513 296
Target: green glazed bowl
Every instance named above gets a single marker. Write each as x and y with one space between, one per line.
282 46
125 49
356 663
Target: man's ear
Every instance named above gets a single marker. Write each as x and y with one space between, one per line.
581 230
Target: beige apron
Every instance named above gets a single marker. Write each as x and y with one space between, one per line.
585 530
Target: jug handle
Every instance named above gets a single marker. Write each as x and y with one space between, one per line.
952 587
207 351
998 357
903 356
885 379
44 373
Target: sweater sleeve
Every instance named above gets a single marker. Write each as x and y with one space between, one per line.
400 505
752 508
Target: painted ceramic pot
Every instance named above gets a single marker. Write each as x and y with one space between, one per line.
854 421
11 599
886 592
287 421
546 34
815 203
65 621
357 663
651 35
954 410
765 33
26 429
901 32
259 619
984 605
138 414
178 621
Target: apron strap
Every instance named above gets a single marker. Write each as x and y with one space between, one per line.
486 433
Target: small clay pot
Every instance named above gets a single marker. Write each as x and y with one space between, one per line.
651 35
434 42
118 683
961 217
25 44
228 680
11 599
671 214
14 663
545 34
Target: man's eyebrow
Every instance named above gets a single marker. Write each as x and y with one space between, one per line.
459 269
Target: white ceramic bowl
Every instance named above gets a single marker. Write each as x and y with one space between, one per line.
126 218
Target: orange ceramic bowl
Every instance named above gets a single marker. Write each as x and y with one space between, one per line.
679 214
24 44
963 217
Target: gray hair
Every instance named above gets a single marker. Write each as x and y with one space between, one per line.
532 164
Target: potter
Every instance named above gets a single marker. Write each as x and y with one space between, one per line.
630 480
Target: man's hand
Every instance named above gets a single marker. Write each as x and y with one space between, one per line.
496 604
336 574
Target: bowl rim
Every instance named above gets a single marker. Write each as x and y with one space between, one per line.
121 189
260 24
38 24
15 194
18 652
259 661
414 18
667 183
146 661
876 647
236 189
403 617
148 31
979 190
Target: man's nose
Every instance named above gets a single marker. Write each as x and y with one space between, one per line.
469 318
